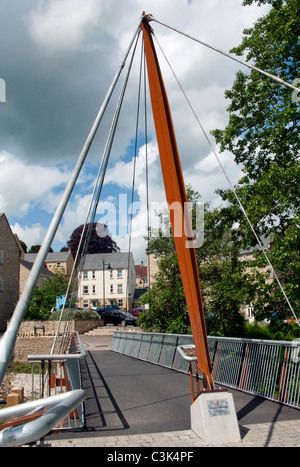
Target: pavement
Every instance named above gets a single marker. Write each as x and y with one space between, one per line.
138 405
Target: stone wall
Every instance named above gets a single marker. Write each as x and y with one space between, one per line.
32 340
32 346
48 328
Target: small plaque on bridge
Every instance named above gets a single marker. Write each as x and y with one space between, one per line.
218 407
213 418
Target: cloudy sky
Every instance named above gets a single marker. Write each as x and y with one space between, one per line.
58 59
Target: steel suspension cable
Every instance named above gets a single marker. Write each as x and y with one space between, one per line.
231 186
99 181
252 67
134 171
8 340
147 188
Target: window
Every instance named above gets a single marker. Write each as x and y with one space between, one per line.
120 302
111 289
249 311
85 275
93 275
120 288
58 265
111 274
85 303
85 289
94 289
120 273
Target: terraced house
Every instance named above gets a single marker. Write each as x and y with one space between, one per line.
107 278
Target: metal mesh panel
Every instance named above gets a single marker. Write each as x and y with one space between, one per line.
145 346
155 348
168 350
179 363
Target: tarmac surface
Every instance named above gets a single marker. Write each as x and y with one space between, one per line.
135 404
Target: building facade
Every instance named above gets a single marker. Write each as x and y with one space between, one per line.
9 271
60 262
106 278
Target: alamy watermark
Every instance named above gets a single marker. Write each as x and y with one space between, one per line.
123 218
2 90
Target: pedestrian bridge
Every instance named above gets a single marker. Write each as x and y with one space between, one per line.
269 369
141 384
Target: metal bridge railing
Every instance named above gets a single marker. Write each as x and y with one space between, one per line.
57 398
59 373
270 369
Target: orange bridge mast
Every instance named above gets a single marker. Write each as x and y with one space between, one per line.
176 193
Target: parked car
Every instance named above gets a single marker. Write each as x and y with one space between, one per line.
101 309
136 312
118 317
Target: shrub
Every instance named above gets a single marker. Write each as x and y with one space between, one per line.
75 314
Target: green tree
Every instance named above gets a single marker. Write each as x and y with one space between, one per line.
44 299
263 136
224 285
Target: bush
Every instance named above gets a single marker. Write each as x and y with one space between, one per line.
276 331
256 331
75 314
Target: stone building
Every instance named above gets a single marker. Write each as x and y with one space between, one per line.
10 254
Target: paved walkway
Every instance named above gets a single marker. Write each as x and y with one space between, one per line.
280 434
262 423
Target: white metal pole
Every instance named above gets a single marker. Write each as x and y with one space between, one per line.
8 340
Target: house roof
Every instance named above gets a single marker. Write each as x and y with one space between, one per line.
94 262
55 257
43 272
3 216
141 270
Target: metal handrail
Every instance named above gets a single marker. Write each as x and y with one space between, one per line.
59 406
270 369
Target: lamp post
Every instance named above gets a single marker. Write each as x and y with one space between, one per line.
103 270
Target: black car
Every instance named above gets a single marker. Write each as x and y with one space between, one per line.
101 309
118 317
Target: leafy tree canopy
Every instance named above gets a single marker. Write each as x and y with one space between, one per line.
44 299
96 237
263 136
